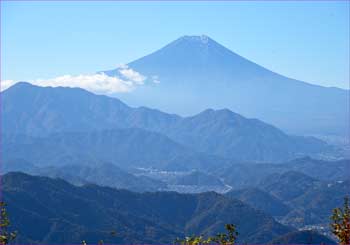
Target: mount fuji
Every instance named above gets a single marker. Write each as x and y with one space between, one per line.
194 73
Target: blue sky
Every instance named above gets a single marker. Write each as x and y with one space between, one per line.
303 40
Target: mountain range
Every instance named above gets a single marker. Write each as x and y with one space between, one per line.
63 213
59 114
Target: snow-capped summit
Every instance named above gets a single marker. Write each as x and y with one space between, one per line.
202 38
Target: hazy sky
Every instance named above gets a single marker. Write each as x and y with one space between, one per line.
304 40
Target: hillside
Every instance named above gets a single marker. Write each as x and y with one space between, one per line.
295 199
260 200
289 185
92 213
315 205
292 197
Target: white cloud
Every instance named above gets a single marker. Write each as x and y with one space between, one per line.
130 74
98 83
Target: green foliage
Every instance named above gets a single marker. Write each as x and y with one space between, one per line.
228 238
192 240
341 222
5 235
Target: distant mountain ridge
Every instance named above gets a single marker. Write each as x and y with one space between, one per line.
100 173
196 73
126 148
255 173
41 111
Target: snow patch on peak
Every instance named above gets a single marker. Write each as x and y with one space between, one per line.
202 38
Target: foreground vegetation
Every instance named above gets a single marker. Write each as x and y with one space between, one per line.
341 222
5 235
221 238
